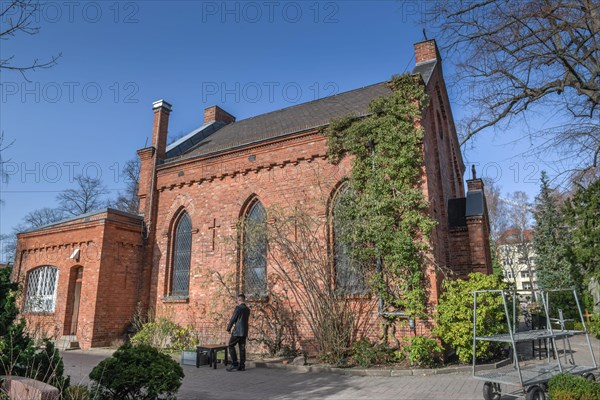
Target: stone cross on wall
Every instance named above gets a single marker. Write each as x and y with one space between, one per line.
213 228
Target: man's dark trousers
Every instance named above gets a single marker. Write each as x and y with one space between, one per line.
241 342
238 326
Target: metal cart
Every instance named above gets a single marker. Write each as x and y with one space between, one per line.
532 376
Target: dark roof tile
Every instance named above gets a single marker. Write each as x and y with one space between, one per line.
286 121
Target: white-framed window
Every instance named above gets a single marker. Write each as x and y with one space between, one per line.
526 285
41 289
524 274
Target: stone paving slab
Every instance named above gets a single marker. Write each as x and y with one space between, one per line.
300 383
275 384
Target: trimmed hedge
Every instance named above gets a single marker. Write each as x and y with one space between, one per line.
572 387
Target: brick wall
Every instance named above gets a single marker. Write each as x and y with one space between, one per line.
216 113
110 249
426 51
126 261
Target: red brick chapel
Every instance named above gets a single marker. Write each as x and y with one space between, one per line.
84 278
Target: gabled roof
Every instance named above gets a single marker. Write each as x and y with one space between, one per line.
216 137
286 121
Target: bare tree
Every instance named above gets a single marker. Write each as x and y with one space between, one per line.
299 254
86 197
519 56
20 16
515 247
129 200
3 174
496 208
42 216
31 220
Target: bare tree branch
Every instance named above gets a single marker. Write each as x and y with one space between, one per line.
517 57
86 197
19 16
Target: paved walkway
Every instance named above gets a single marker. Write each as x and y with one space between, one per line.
266 383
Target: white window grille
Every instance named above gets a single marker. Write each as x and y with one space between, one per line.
41 289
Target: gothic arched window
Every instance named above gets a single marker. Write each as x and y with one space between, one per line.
254 253
182 255
349 279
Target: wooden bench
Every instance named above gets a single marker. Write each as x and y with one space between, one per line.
212 350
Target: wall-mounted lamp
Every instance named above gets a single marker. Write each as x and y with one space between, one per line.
75 255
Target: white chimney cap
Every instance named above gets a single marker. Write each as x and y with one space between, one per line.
162 104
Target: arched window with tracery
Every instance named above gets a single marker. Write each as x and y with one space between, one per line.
254 252
182 255
349 278
42 283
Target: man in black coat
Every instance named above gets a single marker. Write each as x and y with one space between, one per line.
239 323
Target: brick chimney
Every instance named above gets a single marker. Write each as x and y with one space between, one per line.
162 110
426 51
216 113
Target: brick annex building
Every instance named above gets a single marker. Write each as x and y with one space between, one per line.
85 277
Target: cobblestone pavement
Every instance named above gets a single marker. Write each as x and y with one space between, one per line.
265 383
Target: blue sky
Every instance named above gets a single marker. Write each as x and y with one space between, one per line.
90 112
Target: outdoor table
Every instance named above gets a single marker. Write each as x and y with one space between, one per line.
212 350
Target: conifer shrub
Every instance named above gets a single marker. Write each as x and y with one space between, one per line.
136 372
572 387
18 355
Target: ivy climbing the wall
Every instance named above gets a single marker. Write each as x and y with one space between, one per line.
387 209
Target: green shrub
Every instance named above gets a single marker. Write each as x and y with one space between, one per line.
77 392
366 353
165 334
455 315
422 351
571 387
363 352
18 355
594 326
136 372
47 366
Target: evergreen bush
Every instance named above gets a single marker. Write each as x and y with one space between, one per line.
18 355
571 387
455 316
136 373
